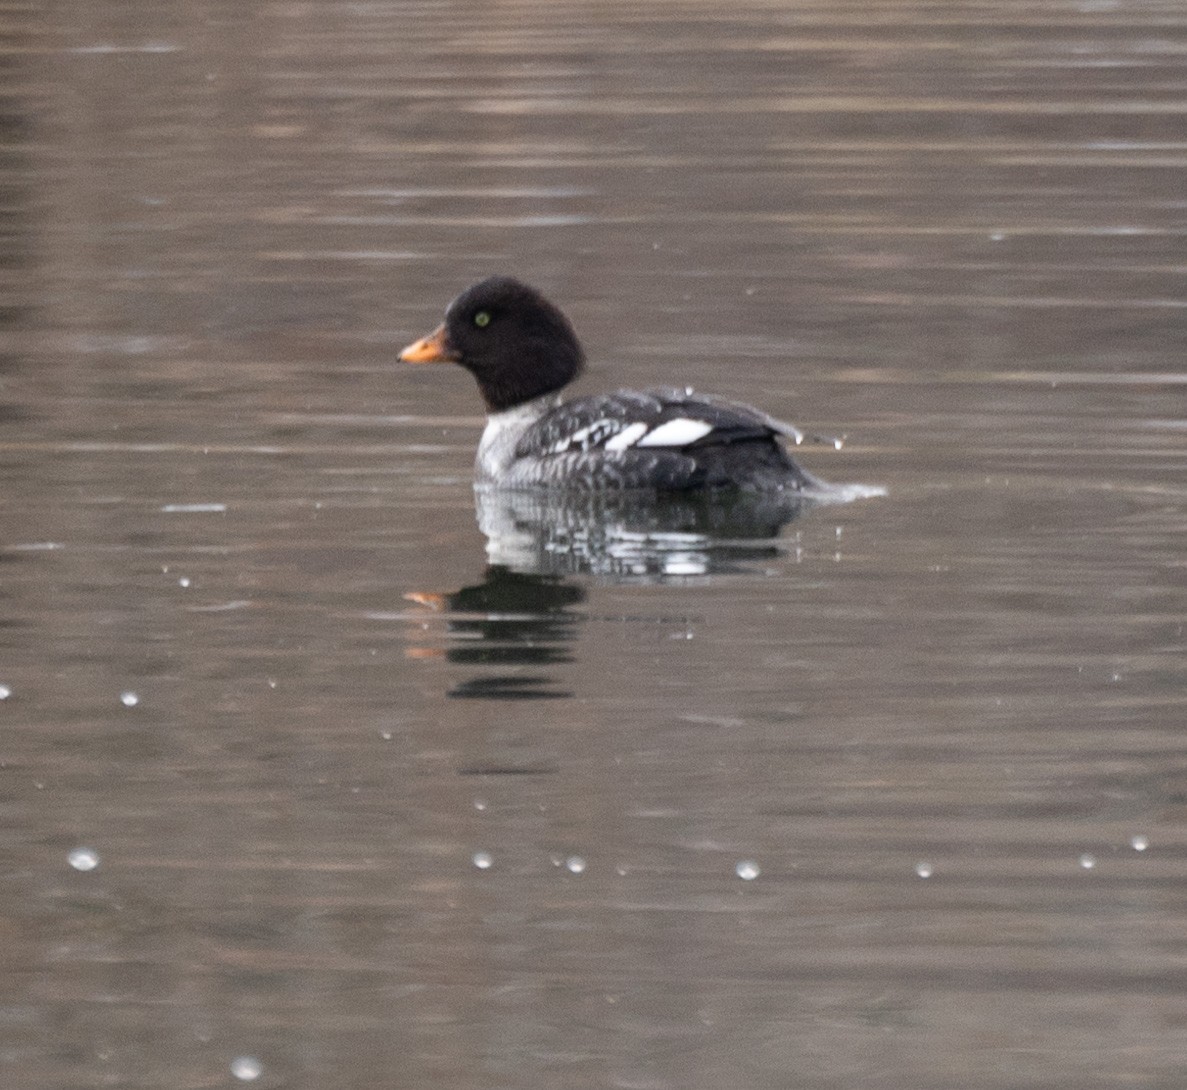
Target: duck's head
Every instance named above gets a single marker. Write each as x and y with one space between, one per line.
517 344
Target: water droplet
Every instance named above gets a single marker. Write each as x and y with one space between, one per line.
1087 861
1139 843
184 581
5 692
246 1068
129 699
479 804
747 870
575 864
386 735
483 860
620 870
924 870
83 859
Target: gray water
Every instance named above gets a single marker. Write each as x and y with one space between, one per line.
892 795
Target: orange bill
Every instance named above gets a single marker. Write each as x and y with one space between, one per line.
434 348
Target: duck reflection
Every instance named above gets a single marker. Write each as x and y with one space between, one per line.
630 536
509 620
522 617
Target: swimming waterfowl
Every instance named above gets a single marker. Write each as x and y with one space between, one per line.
523 351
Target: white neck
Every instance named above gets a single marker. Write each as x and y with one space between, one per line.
496 448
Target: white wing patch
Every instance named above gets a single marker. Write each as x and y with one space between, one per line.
626 437
674 433
615 437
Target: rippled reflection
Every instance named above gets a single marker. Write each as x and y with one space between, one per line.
507 621
632 536
521 618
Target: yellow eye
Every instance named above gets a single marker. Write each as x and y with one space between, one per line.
482 319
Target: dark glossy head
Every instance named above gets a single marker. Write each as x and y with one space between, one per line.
509 337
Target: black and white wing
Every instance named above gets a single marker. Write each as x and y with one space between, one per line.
666 438
669 419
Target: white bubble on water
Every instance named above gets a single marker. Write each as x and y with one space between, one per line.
575 864
129 699
1139 843
5 692
483 860
246 1068
748 870
1087 861
924 870
83 859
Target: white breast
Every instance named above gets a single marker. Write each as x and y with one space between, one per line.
496 448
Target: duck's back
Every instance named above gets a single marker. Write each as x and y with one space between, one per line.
666 439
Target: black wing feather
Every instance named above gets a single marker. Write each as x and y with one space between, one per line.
742 447
652 408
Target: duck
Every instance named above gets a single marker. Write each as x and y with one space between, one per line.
523 351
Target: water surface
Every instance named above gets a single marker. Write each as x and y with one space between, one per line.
381 799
